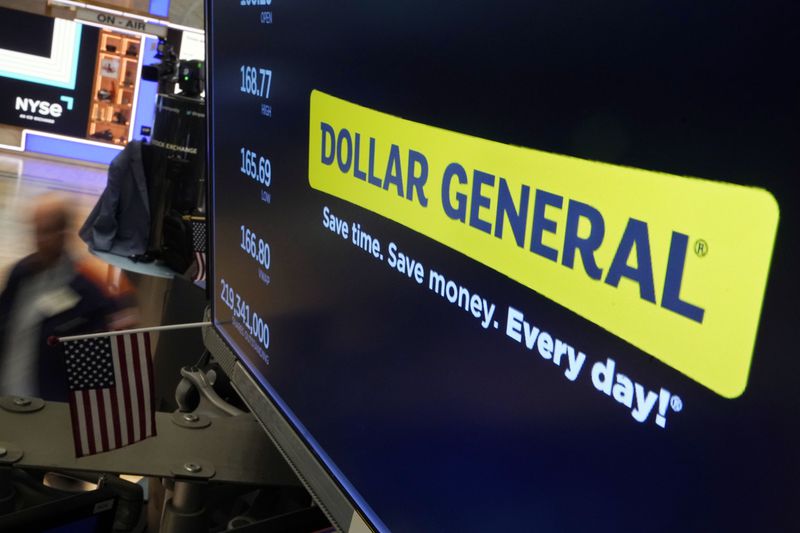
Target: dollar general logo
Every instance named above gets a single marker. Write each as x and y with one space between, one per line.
676 266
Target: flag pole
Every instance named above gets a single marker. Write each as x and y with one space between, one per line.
56 340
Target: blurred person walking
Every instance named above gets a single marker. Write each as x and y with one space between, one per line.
52 293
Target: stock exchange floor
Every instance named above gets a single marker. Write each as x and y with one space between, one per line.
22 178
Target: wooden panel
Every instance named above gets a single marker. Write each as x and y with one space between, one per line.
114 87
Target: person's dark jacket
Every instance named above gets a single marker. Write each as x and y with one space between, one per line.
90 314
120 221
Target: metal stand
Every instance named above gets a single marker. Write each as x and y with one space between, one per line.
185 510
7 490
210 402
216 443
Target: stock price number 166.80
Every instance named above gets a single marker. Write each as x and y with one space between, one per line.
253 324
255 247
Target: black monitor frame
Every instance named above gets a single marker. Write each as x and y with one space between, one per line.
335 502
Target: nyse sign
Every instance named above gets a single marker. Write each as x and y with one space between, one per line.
41 111
41 107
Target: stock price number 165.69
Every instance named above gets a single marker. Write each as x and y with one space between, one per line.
252 323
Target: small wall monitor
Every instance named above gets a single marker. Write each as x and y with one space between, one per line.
515 265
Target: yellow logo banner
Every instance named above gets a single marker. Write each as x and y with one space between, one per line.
676 266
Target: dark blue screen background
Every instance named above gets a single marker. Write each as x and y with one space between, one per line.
443 426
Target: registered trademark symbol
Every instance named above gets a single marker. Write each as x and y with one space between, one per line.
676 403
700 248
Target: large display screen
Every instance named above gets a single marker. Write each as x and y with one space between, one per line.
458 246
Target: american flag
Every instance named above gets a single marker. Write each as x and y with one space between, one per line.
199 242
111 392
